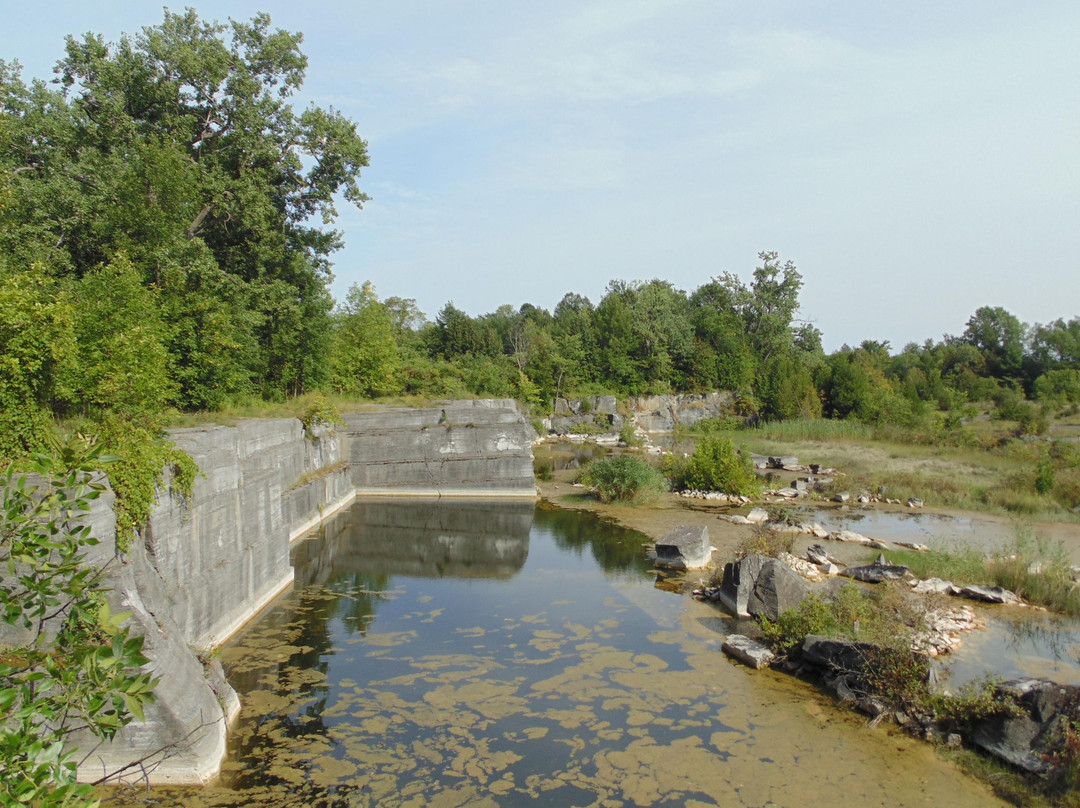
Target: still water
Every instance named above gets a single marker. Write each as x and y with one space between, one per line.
496 655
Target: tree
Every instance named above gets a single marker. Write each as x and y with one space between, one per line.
366 361
1000 338
121 360
75 667
179 148
36 344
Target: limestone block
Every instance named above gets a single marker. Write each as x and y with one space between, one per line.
747 651
685 547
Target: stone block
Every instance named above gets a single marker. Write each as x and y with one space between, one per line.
685 547
759 586
747 651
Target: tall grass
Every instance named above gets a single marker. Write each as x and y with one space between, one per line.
815 429
1031 566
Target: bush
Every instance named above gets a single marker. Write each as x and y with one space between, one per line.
624 479
628 434
715 466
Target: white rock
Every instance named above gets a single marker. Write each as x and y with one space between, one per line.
747 651
736 519
758 516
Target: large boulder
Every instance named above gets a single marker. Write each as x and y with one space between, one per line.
685 547
760 586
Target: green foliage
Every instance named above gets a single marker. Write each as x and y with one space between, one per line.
623 478
36 342
973 702
628 435
721 423
143 456
845 613
1044 474
320 412
76 668
715 466
366 360
883 619
122 361
1058 387
173 161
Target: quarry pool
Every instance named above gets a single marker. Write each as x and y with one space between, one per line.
437 653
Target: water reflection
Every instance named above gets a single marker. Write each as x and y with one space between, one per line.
423 538
565 456
1017 644
616 549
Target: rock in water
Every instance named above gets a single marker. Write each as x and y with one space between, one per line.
758 516
685 547
987 594
749 652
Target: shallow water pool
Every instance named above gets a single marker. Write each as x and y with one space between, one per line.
471 654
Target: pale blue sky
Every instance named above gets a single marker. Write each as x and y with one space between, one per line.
916 160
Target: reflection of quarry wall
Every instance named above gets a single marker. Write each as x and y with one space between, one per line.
207 565
478 538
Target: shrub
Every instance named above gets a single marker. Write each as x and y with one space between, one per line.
716 466
720 423
624 478
628 434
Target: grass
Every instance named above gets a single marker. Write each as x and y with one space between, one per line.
765 541
325 471
255 407
1032 567
989 471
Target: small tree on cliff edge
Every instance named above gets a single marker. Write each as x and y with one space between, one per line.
75 668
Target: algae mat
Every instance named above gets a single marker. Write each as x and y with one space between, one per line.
573 681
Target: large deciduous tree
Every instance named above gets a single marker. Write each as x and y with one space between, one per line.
179 147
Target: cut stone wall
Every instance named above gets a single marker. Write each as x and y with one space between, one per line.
664 413
466 448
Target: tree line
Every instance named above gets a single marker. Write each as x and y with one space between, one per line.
166 241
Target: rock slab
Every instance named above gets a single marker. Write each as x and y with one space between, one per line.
747 651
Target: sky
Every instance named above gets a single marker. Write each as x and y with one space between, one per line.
915 160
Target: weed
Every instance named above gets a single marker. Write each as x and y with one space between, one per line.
765 541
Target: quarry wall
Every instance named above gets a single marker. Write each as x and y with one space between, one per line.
207 564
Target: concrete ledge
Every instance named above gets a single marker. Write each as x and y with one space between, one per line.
435 492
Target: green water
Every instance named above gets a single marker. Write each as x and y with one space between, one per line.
471 654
